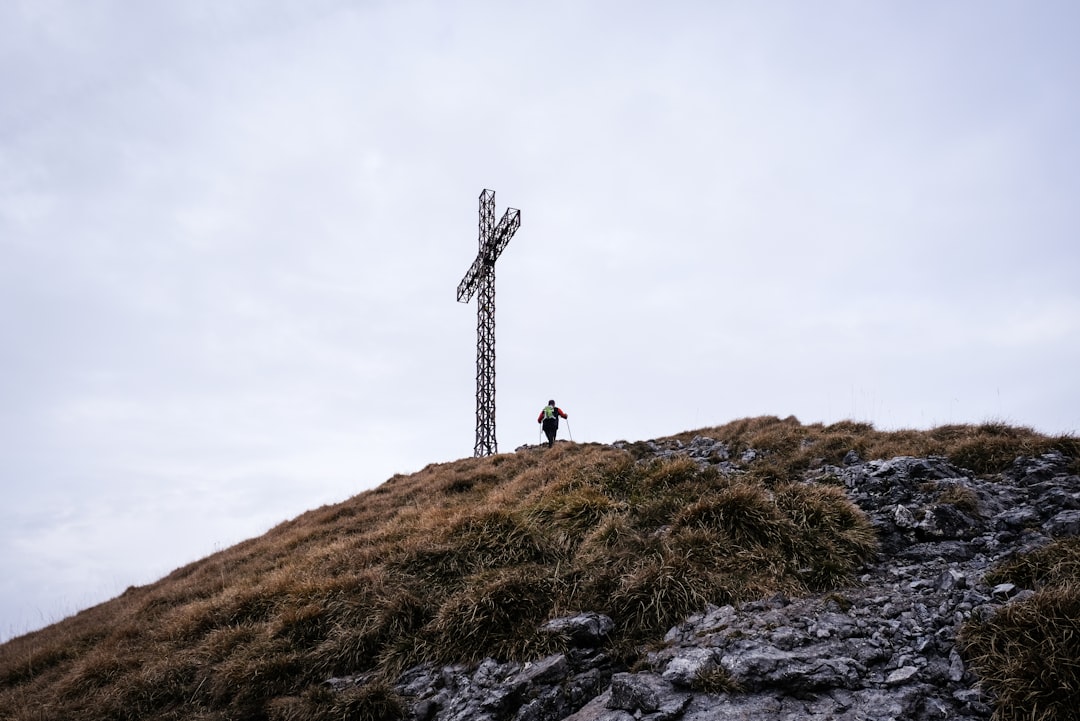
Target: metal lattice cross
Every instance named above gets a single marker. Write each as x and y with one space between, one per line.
480 281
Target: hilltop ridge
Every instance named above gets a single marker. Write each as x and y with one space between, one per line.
465 566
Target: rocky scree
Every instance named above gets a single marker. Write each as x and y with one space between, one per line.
884 649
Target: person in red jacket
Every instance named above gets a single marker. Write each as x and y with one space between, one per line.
549 417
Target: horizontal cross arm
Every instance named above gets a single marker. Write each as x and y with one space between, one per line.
489 253
503 232
467 287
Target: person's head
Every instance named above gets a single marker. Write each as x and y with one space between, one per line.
551 403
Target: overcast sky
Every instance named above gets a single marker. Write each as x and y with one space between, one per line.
231 235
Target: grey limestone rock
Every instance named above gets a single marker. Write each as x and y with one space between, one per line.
1065 523
686 668
587 629
646 695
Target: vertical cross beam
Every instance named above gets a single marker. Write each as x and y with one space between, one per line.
480 281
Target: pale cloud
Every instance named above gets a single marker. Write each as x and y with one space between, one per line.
230 236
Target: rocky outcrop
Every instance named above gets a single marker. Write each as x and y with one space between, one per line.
884 648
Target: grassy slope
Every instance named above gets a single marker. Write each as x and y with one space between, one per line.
464 560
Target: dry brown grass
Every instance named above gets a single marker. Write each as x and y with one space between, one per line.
464 560
1028 653
791 446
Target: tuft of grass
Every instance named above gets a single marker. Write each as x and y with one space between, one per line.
962 497
1056 564
833 538
745 514
497 614
673 474
475 541
575 510
257 672
1026 653
373 701
1026 656
376 701
662 590
716 680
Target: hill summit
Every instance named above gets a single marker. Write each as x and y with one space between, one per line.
764 568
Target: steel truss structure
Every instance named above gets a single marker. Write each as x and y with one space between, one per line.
480 281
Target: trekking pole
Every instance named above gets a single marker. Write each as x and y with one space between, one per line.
568 431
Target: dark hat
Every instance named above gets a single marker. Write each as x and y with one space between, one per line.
551 403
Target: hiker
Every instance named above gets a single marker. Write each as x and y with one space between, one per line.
550 418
